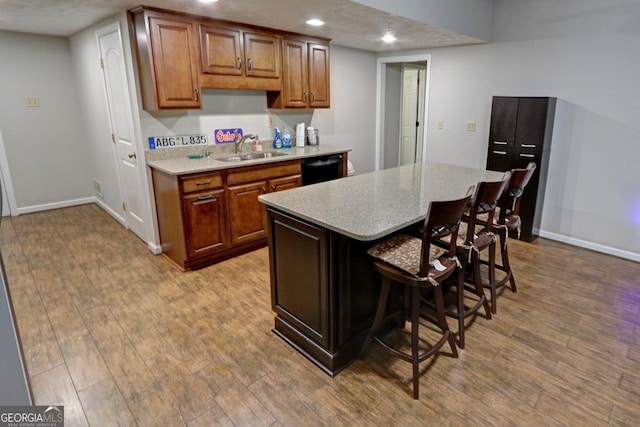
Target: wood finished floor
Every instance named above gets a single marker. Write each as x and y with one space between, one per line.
120 337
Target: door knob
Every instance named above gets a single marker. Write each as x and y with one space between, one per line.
132 155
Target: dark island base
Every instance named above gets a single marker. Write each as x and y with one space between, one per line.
323 290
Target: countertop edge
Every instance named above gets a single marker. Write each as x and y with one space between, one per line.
185 166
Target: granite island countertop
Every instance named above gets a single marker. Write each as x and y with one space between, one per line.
177 162
372 205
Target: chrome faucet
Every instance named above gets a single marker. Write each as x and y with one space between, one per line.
239 142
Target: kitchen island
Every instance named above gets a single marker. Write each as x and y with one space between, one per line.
323 290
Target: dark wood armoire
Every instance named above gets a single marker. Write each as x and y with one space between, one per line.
520 132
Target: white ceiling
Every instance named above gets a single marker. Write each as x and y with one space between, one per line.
347 23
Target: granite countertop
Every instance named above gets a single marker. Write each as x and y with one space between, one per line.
370 206
176 161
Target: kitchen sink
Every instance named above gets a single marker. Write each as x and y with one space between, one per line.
252 156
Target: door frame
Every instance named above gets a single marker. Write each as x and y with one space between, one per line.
7 183
380 101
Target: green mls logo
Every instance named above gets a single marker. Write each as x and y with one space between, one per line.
31 416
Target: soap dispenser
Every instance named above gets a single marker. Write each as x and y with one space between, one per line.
286 138
277 140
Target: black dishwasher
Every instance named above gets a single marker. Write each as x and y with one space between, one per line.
322 168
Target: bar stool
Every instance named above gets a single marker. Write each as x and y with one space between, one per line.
473 239
418 265
507 221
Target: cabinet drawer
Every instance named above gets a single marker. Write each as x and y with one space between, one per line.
258 173
201 182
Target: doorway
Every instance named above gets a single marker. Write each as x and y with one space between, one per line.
9 205
111 50
401 110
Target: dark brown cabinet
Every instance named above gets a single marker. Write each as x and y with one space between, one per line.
166 58
305 75
520 132
299 280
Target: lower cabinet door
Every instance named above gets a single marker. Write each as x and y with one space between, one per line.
248 215
206 222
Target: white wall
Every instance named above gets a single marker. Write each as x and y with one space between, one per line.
45 146
586 53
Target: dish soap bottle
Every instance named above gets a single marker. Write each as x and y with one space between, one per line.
277 140
286 138
257 145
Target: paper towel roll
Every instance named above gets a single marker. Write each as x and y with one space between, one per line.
300 135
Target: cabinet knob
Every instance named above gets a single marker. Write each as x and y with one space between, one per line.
304 96
249 64
500 142
273 187
313 97
504 153
207 197
132 155
529 156
197 94
208 181
528 145
264 190
239 61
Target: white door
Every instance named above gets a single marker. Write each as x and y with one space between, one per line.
121 122
408 130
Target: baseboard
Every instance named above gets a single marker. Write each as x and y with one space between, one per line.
155 249
56 205
110 211
590 245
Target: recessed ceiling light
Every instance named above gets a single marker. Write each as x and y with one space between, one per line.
389 38
208 1
315 22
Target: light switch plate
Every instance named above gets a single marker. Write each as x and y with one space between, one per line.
471 126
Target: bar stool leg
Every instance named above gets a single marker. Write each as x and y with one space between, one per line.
415 352
380 311
442 320
461 317
505 260
492 278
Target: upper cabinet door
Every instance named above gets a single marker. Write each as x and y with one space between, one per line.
221 50
174 67
262 55
294 85
319 87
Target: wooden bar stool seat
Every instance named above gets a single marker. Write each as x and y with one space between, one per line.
417 265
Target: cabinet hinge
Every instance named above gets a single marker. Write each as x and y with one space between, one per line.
124 207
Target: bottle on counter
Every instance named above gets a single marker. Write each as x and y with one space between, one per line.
277 139
286 138
257 145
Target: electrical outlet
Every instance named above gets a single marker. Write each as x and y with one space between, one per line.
32 101
471 126
440 124
97 187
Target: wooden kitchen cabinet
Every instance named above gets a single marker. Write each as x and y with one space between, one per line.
520 132
248 215
166 60
236 57
206 217
206 222
306 81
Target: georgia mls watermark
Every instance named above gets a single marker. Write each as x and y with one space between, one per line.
31 416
